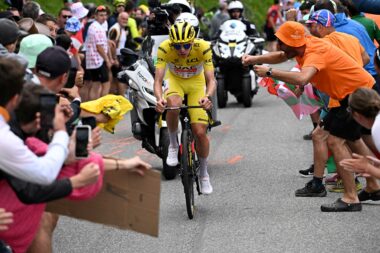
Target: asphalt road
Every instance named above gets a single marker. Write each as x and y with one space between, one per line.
254 163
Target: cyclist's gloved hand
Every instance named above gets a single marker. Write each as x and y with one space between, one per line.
161 104
206 103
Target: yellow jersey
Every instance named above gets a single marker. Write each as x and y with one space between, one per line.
199 59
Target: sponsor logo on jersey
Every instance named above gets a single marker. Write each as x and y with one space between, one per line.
180 69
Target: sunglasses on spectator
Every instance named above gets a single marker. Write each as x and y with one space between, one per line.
179 46
66 16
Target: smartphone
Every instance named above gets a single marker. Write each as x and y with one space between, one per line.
90 121
47 110
83 135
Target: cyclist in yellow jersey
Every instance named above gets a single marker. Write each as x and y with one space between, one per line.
191 72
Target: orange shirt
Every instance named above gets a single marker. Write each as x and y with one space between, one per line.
348 44
338 74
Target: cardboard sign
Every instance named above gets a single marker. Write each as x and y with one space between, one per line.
126 201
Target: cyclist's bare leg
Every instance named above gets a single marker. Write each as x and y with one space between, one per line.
203 144
172 118
202 147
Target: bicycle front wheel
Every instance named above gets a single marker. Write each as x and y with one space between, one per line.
187 173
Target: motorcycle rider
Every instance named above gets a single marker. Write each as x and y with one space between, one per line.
235 9
191 72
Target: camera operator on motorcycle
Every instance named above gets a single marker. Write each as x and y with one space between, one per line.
236 9
164 15
191 72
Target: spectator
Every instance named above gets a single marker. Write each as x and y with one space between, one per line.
346 25
9 35
49 21
219 18
118 36
324 65
80 12
98 63
16 159
79 173
72 27
273 17
32 45
31 10
63 15
370 25
364 105
119 8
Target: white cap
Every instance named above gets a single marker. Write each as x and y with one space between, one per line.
78 10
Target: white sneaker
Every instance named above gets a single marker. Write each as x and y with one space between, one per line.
172 159
206 187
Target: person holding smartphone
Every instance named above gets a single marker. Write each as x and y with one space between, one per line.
79 178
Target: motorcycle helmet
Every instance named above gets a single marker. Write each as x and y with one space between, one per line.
185 6
181 32
191 19
235 5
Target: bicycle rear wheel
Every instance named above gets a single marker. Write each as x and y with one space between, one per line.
187 172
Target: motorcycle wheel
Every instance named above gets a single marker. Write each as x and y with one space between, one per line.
169 172
221 93
246 92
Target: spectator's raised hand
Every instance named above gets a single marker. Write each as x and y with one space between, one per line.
96 137
59 119
358 164
88 175
135 164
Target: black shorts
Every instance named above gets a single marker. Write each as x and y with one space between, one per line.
270 33
115 70
340 123
97 75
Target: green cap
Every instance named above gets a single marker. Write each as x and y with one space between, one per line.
32 45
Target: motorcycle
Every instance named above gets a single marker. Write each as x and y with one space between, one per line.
231 75
147 125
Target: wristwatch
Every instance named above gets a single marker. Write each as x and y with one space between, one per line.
269 72
209 97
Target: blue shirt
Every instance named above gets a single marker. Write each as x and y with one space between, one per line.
345 25
370 6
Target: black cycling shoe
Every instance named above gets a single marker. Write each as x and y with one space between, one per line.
311 190
365 196
308 172
341 206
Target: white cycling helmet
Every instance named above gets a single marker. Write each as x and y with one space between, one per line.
235 5
183 3
189 18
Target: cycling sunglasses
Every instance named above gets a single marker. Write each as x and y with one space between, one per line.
179 46
67 16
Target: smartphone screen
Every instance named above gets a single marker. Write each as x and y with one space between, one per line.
47 110
82 138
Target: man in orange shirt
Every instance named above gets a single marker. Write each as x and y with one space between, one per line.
333 72
321 24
